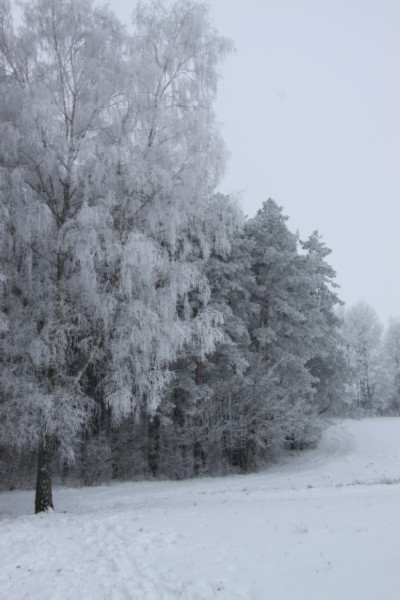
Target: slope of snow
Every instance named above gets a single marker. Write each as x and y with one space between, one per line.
320 525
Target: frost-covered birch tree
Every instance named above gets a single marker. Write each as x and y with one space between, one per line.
362 333
109 157
390 364
180 436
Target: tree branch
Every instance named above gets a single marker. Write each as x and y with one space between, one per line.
85 364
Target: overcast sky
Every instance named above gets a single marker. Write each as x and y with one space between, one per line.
310 106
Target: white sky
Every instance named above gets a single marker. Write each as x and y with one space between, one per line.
310 106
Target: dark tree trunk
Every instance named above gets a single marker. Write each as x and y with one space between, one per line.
198 375
44 492
154 444
264 310
199 458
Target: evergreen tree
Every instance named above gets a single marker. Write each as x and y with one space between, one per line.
327 364
280 331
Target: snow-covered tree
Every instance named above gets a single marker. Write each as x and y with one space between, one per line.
294 327
279 328
327 363
109 155
4 321
181 433
258 388
390 362
362 332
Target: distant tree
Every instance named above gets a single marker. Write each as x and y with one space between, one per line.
391 367
362 333
109 156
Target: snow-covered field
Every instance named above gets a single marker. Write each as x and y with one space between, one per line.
322 525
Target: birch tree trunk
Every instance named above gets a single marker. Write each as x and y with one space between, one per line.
44 494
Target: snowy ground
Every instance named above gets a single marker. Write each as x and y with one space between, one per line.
322 525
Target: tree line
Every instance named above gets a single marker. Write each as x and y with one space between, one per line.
146 327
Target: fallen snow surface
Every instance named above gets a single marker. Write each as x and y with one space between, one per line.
323 524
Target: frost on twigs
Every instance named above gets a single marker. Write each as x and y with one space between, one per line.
110 154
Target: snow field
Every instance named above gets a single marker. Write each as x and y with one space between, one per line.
320 525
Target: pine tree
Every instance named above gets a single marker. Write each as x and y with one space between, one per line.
327 364
293 328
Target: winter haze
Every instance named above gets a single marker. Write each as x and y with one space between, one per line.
310 108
